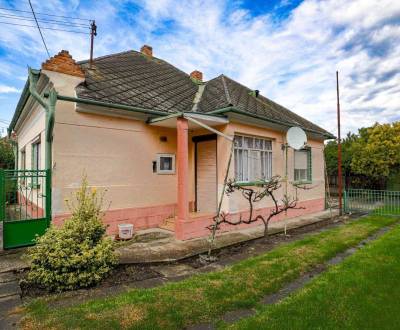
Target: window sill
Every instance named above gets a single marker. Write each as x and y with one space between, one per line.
302 182
250 183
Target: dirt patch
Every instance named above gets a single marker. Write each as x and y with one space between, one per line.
150 275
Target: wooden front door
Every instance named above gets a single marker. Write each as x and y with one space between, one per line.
206 173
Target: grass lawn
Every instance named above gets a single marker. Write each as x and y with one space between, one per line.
361 293
204 297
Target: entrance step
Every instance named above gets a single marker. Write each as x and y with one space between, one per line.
168 224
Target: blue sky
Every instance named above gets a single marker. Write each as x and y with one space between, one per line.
287 49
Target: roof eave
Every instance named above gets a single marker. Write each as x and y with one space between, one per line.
278 122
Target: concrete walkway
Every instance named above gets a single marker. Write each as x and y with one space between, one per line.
158 245
10 292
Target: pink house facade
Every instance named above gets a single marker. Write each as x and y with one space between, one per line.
158 141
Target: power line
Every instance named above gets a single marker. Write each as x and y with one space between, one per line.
44 28
25 11
50 21
40 31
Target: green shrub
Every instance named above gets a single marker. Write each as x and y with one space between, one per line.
76 255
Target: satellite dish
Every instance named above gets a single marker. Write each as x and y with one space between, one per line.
296 138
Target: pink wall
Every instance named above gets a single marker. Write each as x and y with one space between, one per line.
196 227
152 217
140 217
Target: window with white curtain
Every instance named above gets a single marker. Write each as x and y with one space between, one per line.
302 165
253 158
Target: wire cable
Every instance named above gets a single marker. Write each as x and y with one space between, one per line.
25 11
50 21
44 28
40 31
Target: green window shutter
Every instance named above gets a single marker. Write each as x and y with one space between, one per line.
35 164
309 167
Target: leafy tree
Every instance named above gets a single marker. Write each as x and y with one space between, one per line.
376 152
6 153
331 155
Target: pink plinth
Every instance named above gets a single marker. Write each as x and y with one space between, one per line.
197 227
183 176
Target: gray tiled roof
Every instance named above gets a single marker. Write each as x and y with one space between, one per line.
222 92
133 79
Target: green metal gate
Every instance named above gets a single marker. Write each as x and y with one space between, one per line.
25 205
380 202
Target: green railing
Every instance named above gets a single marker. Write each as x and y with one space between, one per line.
25 205
381 202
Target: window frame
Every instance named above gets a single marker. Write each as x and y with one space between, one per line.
23 158
309 165
159 170
22 163
262 150
36 146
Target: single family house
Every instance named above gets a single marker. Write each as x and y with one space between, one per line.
157 139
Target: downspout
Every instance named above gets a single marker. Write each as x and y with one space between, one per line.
49 127
49 107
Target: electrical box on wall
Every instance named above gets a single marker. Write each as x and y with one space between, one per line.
165 164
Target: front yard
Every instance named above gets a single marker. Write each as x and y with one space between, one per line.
361 293
206 297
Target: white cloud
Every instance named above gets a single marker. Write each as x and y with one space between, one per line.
8 89
292 61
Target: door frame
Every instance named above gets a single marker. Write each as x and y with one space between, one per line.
196 140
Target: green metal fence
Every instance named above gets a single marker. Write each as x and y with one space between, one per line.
25 205
381 202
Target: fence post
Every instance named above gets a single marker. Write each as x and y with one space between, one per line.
2 195
48 196
345 201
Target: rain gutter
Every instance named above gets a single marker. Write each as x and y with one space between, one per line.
245 113
109 105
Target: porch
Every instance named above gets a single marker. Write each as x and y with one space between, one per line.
199 205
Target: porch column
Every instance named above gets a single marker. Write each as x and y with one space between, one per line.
183 176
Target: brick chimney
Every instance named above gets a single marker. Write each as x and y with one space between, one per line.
197 75
63 63
147 50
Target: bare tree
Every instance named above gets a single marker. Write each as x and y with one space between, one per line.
254 194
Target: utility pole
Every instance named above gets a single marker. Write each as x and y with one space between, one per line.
339 147
93 33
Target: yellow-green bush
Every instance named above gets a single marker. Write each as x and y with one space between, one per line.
76 255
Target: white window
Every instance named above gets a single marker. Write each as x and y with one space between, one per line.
23 159
302 165
36 156
253 159
166 164
35 162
